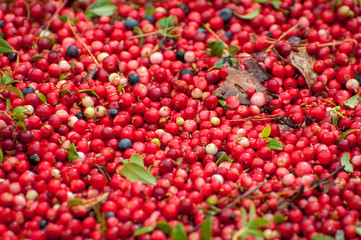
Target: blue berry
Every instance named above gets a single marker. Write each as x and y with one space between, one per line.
125 143
226 14
130 23
113 113
150 18
185 71
80 115
294 39
72 51
109 215
133 79
220 154
27 90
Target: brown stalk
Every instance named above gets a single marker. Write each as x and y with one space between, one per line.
209 29
83 43
54 15
282 36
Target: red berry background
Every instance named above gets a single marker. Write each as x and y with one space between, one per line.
111 125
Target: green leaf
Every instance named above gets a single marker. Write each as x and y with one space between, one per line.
274 145
65 91
6 79
64 75
37 57
73 66
217 49
20 123
106 10
259 222
346 164
16 91
278 218
18 112
206 229
1 155
139 31
224 158
52 41
178 232
137 159
166 22
248 16
358 230
219 64
89 91
252 232
100 4
5 47
260 1
63 18
321 237
343 135
233 50
252 212
8 104
334 121
265 132
149 11
276 4
244 217
75 201
72 153
352 102
164 227
41 97
143 230
222 102
134 172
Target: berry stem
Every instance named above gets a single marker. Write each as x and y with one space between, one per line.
282 36
209 29
54 15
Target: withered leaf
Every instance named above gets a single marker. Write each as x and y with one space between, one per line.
237 83
304 63
90 74
254 67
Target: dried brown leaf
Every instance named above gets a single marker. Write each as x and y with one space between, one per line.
237 83
255 68
304 63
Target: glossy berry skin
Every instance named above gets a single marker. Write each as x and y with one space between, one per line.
72 51
133 79
130 23
226 14
124 144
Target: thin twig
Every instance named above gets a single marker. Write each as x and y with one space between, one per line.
209 29
54 15
282 36
83 43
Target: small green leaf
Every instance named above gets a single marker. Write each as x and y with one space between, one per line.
252 212
244 217
72 153
334 121
5 47
265 132
252 232
8 104
274 145
63 18
106 10
358 230
137 159
166 22
352 102
149 11
279 218
276 4
217 49
139 31
346 164
73 66
206 229
52 41
234 61
248 16
134 172
16 91
343 135
64 75
233 50
20 123
143 230
321 237
65 91
178 232
37 57
1 155
219 64
75 201
18 112
89 91
259 222
222 102
164 227
6 79
41 97
223 158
